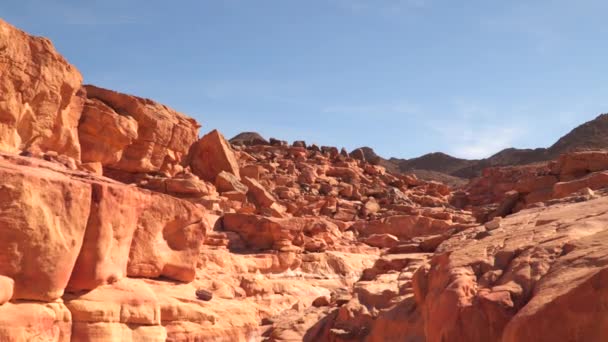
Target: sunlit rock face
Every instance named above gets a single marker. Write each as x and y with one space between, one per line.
119 224
38 106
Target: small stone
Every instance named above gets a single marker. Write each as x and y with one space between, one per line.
494 224
204 295
321 301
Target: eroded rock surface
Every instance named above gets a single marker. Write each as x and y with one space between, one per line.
119 224
38 106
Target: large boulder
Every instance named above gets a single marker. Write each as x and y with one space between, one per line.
31 321
68 228
167 239
211 155
38 109
7 286
115 211
163 135
104 134
403 226
537 278
43 222
127 310
260 232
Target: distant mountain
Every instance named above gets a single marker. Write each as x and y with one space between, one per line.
588 136
437 161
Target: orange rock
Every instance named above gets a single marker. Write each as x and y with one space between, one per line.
403 227
268 233
258 193
251 171
124 311
104 134
6 289
211 155
32 321
115 211
382 240
577 164
95 168
190 186
43 221
510 284
38 106
593 181
167 239
225 182
163 135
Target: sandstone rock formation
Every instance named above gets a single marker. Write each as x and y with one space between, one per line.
38 106
211 155
163 138
117 224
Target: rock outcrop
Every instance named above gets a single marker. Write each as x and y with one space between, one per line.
163 137
39 109
118 224
211 155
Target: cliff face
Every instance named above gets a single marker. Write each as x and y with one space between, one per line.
119 224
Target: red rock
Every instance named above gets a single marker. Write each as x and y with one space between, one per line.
164 136
6 289
321 301
95 168
43 221
370 207
211 155
382 240
529 184
31 321
167 239
258 193
189 186
127 311
581 163
104 134
593 181
115 211
267 233
225 182
38 106
251 171
403 227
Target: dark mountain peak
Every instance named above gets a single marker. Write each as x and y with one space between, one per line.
590 135
248 138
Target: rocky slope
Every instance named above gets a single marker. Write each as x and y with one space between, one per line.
120 224
438 166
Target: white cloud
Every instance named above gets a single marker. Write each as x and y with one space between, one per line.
486 141
475 131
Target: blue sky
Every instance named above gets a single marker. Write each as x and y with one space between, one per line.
406 77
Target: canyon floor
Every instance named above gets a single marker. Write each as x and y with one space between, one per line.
119 223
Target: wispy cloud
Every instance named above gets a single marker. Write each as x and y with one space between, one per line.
473 141
474 130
